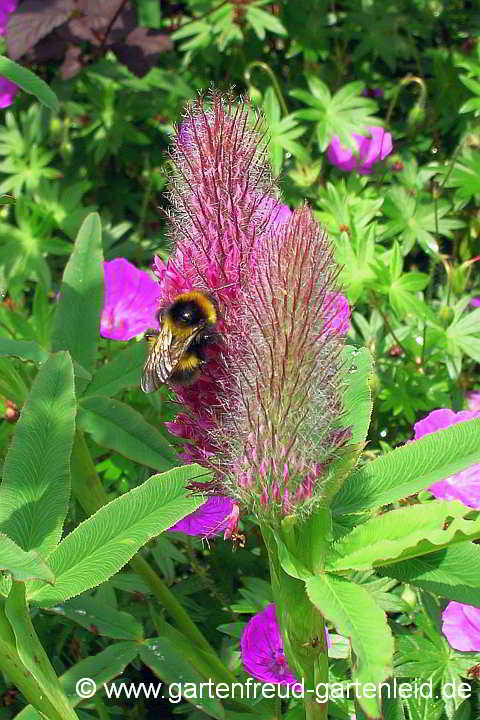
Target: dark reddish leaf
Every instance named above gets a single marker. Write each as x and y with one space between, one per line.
141 49
51 47
93 19
71 65
33 20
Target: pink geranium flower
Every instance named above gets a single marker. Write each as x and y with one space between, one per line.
8 90
130 302
465 485
262 648
461 626
371 149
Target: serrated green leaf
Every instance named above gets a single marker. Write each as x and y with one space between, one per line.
410 468
100 546
22 565
118 426
77 320
35 491
355 615
29 82
404 533
453 573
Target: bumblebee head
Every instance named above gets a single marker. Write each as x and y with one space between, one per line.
194 309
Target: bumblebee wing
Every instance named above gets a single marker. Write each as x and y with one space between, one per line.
165 354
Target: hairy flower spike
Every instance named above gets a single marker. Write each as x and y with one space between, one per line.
263 414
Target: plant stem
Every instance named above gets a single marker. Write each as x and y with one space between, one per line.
267 69
90 494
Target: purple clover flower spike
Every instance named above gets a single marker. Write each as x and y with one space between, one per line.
465 485
130 301
262 647
475 302
473 400
370 150
461 626
209 520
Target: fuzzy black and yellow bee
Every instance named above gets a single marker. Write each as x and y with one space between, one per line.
178 348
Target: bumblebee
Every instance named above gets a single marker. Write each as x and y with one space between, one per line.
178 349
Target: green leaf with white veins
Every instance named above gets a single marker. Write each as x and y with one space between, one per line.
342 114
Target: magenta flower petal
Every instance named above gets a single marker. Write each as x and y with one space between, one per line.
209 520
465 485
371 148
337 314
475 302
6 7
262 649
461 626
8 91
130 301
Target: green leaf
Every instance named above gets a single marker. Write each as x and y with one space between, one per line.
100 546
464 334
161 656
32 654
22 565
35 491
77 319
453 573
29 82
115 425
410 468
355 615
404 533
122 372
26 350
357 397
345 113
101 619
262 21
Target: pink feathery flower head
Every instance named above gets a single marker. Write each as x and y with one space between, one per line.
264 413
461 626
262 648
465 485
371 149
130 303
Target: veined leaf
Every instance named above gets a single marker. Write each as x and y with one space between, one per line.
453 573
35 491
122 372
77 319
410 468
29 82
23 349
404 533
116 425
22 565
355 615
103 544
101 618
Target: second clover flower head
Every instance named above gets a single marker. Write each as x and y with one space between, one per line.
372 147
264 414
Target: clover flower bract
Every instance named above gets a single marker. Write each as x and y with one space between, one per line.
370 150
264 414
465 485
